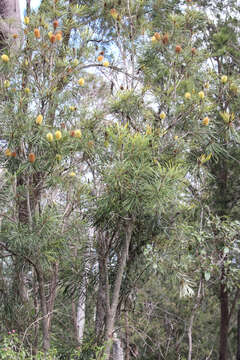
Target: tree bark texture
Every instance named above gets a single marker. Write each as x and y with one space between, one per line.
127 350
80 313
103 292
111 315
224 323
196 305
238 335
45 321
118 353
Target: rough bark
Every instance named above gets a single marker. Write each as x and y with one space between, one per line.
36 307
111 315
22 287
45 321
224 323
52 293
103 290
127 350
28 7
221 207
67 33
28 196
238 335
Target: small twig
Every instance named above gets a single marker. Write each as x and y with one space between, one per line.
36 321
110 67
8 217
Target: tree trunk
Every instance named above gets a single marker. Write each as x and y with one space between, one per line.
103 291
45 321
238 335
196 305
80 313
111 315
127 350
224 319
52 293
117 349
36 308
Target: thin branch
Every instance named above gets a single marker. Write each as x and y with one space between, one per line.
15 254
111 67
36 321
8 217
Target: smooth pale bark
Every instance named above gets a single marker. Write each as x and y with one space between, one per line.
80 313
192 320
118 353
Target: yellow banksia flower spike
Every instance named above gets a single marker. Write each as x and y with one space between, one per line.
58 135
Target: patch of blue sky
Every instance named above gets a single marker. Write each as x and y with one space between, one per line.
34 5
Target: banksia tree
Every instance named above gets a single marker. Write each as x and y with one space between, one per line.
116 121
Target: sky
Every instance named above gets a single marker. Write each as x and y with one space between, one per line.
34 5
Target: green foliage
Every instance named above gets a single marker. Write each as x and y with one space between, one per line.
12 348
128 145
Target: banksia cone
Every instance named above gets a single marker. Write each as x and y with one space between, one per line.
187 95
81 82
205 121
8 152
39 119
194 51
31 157
162 115
37 33
58 135
224 79
59 36
77 133
114 13
26 20
55 24
165 39
178 49
5 58
52 38
49 137
58 157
